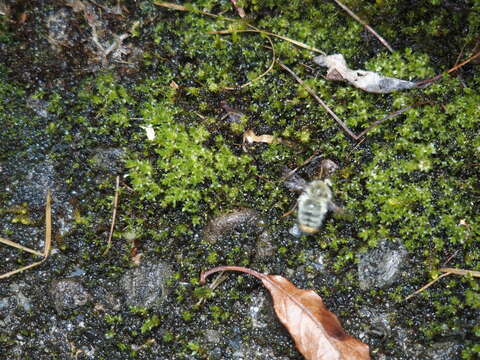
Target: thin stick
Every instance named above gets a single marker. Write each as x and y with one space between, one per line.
291 172
455 68
460 272
114 215
183 8
320 101
255 30
261 75
388 117
350 12
427 286
215 283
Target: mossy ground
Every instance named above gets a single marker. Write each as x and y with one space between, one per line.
415 177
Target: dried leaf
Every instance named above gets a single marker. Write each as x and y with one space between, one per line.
317 332
366 80
250 137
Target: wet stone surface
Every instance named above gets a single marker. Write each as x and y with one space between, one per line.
145 286
68 295
381 266
108 160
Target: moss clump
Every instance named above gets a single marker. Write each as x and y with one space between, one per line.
185 171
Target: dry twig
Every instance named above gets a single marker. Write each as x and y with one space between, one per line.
446 272
320 101
388 117
350 12
255 30
427 286
114 214
261 75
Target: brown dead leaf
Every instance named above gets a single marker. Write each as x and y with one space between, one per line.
316 331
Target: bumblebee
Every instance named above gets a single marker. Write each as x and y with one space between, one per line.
313 205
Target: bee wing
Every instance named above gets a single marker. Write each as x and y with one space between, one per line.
339 212
295 183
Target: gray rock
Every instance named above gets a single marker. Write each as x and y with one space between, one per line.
22 301
443 351
68 294
213 336
145 286
108 160
241 220
381 266
265 247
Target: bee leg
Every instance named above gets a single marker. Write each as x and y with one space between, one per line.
289 212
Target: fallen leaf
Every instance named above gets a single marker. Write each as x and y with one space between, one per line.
317 332
369 81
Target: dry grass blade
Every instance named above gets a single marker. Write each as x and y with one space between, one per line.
446 272
462 272
183 8
114 214
20 247
48 226
48 241
351 13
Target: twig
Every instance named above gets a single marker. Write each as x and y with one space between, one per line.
388 117
350 12
183 8
424 83
427 286
291 172
215 283
446 271
114 215
261 75
255 30
320 101
460 272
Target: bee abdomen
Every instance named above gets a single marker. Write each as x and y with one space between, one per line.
310 215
